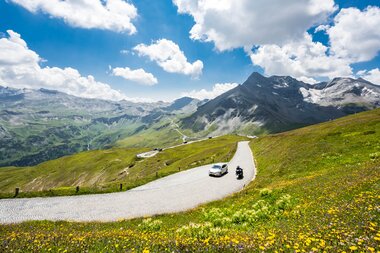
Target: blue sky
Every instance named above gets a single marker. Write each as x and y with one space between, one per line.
92 51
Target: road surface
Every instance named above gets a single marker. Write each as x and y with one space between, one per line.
178 192
153 152
147 154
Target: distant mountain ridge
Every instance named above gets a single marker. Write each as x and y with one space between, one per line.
279 103
39 125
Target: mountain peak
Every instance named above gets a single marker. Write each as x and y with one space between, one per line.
47 91
184 99
256 75
180 103
255 79
279 103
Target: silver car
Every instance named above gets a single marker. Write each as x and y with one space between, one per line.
218 170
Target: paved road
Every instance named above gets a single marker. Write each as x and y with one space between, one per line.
191 142
147 154
153 153
178 192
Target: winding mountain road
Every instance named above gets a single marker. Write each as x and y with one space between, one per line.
174 193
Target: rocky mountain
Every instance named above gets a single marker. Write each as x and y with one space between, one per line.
39 125
184 104
279 103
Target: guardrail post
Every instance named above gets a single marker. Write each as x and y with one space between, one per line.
121 187
17 190
77 189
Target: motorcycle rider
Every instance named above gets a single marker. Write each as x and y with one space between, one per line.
239 172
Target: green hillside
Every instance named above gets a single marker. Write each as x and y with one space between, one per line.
164 133
104 170
160 134
317 190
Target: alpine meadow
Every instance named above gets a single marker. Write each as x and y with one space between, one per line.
190 126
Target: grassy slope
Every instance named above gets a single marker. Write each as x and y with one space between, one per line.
64 136
152 138
104 170
160 134
317 189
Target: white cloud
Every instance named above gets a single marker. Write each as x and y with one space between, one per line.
277 30
114 15
124 51
373 75
217 90
245 23
303 60
20 68
306 79
169 57
138 75
355 35
321 28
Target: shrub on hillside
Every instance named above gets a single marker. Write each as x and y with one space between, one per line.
150 225
248 216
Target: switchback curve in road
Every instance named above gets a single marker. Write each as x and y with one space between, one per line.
178 192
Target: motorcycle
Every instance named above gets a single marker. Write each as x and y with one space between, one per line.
239 173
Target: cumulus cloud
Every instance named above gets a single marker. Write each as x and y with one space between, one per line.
170 58
114 15
138 75
355 35
306 79
321 28
216 90
20 68
277 32
372 75
245 23
303 59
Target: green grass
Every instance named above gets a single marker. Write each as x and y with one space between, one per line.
317 190
152 138
160 134
104 170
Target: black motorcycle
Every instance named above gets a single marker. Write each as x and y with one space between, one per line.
239 173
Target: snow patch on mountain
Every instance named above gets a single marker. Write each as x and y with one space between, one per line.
342 91
280 103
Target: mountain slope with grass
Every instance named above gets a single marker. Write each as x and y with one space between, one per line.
40 125
100 171
317 189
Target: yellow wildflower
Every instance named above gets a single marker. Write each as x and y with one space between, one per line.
353 248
